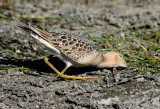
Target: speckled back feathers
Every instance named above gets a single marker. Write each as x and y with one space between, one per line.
73 46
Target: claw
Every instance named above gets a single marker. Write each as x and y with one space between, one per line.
85 75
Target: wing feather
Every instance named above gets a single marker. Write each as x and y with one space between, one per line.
73 46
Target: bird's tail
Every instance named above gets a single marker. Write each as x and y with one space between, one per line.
34 31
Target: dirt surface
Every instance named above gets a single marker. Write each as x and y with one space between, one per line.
36 86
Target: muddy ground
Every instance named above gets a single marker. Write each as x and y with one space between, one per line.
36 86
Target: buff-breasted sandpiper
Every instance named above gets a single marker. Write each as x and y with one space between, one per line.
73 50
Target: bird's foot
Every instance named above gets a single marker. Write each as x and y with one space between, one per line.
76 77
61 74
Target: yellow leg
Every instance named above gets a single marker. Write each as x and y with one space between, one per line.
61 74
115 70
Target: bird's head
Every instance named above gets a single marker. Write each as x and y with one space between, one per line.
112 59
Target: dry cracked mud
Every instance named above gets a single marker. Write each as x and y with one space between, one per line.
35 85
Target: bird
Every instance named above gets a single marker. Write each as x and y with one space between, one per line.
73 50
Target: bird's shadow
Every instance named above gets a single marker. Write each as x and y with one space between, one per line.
41 66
